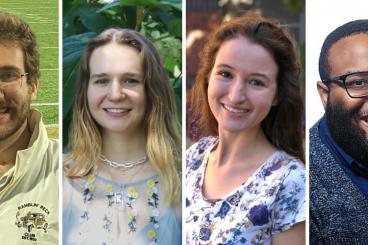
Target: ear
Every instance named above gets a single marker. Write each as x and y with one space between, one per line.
34 88
323 93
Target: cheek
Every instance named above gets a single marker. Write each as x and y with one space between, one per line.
94 98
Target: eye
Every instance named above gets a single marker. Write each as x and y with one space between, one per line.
130 82
225 74
360 83
9 76
101 81
356 83
255 82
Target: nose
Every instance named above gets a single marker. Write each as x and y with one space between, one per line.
237 93
116 91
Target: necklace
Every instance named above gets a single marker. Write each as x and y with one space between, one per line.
123 164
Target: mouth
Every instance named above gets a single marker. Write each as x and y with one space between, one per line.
235 110
3 110
4 113
116 110
364 119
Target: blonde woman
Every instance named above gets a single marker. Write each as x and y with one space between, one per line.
121 182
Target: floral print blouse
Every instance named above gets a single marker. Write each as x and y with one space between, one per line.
270 201
99 211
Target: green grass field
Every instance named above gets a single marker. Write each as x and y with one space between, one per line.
42 16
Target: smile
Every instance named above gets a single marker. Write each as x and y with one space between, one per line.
3 110
116 110
364 118
234 110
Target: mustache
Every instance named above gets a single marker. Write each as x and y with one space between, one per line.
6 104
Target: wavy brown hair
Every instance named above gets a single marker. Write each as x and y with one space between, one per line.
283 125
160 122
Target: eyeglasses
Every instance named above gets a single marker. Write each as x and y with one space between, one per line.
8 78
355 84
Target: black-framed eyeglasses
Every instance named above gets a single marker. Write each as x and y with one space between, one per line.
355 83
10 77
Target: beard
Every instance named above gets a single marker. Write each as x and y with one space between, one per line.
17 113
342 124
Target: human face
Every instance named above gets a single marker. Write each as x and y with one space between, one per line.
116 93
16 97
348 117
242 85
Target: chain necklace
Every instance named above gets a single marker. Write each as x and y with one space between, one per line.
123 164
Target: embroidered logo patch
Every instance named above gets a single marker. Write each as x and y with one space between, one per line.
32 217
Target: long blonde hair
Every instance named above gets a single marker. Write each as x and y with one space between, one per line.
161 125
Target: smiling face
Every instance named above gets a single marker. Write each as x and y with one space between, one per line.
242 85
348 117
116 93
15 97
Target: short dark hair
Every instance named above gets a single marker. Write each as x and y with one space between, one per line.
348 29
15 31
283 125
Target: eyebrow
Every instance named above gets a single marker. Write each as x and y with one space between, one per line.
10 68
127 74
232 68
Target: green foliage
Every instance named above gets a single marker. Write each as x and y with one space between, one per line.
295 5
158 20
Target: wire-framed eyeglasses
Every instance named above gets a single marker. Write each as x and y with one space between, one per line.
10 77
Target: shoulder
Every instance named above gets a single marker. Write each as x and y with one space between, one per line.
288 171
51 157
284 164
196 151
200 146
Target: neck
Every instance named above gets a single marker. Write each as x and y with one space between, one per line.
123 148
234 147
8 147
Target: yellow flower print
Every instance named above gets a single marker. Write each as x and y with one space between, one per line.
109 188
133 192
151 183
92 187
149 192
91 178
130 215
151 234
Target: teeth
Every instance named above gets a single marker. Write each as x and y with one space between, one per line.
116 110
235 110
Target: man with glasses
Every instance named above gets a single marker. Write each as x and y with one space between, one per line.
339 141
28 159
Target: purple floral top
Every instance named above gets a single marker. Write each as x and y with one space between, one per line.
272 200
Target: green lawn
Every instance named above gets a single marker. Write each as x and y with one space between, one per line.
42 16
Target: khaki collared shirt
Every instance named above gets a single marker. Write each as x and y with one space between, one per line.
29 191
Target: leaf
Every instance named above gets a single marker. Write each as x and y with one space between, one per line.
73 47
92 20
110 5
175 27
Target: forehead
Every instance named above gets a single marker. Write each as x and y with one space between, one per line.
349 54
247 56
11 55
115 58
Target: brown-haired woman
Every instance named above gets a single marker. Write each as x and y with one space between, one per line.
246 180
122 184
